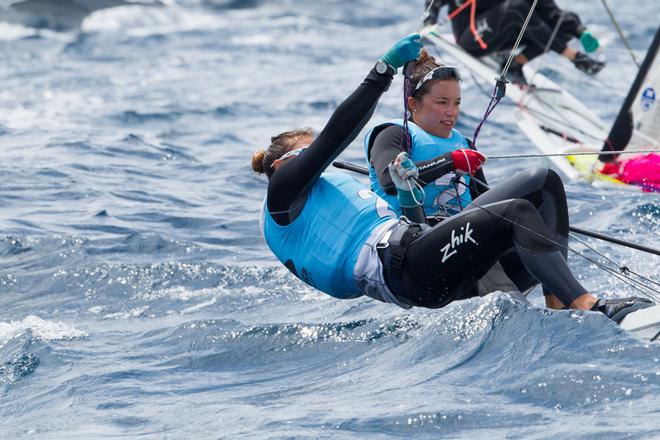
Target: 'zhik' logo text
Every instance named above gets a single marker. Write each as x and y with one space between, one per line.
456 240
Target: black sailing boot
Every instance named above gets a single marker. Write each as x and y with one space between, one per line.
616 309
587 64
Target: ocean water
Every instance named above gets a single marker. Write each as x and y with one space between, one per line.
138 299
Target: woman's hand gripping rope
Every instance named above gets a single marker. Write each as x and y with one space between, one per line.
404 173
467 160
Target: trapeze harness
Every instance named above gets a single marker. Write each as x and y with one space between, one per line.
445 192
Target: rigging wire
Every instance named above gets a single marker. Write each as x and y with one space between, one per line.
520 35
620 31
560 119
425 16
622 268
577 153
546 49
560 122
500 83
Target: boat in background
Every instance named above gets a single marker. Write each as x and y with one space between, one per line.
644 323
637 127
553 119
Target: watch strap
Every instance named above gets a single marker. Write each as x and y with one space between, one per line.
382 68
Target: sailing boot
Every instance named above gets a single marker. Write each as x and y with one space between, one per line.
616 309
587 64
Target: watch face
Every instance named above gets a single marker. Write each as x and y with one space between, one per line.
381 67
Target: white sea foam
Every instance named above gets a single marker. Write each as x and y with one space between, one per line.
136 312
144 21
40 328
10 31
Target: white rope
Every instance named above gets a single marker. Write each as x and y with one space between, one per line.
412 191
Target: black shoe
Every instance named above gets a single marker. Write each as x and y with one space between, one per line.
617 309
587 64
515 73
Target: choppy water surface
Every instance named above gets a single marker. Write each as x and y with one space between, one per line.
138 299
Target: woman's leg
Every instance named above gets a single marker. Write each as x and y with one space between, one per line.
445 261
544 189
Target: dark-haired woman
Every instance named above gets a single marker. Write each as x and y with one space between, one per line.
339 237
445 162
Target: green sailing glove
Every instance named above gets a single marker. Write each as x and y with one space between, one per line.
589 42
404 50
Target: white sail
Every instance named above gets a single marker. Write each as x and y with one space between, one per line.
645 110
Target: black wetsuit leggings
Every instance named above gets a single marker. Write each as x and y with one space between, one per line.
524 219
504 23
545 190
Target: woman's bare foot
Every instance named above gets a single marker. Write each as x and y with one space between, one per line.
552 302
583 302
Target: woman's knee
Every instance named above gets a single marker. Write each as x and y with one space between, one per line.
539 175
520 209
553 182
529 229
544 178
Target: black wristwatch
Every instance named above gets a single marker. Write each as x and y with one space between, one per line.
382 68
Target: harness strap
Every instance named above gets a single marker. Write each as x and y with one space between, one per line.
473 26
398 245
459 9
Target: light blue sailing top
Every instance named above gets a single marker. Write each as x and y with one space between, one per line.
440 196
321 246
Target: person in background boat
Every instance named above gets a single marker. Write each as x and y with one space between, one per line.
642 170
340 238
498 23
444 160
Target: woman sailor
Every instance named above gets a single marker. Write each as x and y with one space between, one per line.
446 160
342 239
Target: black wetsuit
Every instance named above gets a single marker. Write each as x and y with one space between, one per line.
288 187
443 262
499 22
542 187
